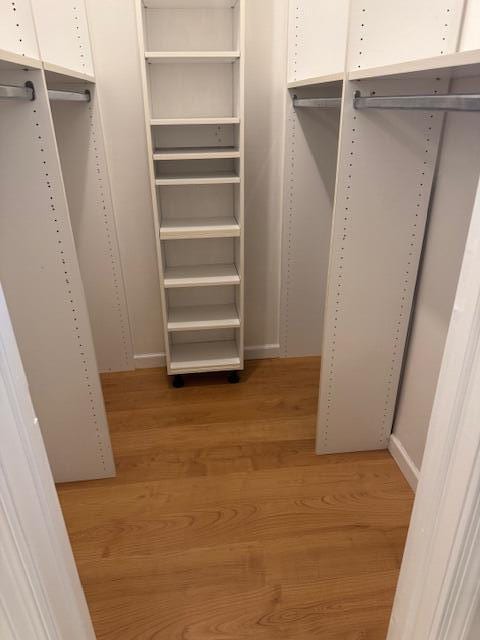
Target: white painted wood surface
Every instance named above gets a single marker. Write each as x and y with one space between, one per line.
41 279
40 592
79 134
317 38
385 172
17 30
62 31
384 33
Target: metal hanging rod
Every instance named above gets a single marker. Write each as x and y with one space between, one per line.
317 103
11 92
443 102
71 96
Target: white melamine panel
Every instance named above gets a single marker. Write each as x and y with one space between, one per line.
41 279
62 31
470 31
197 29
203 317
207 275
310 169
453 199
181 57
205 356
200 90
80 142
196 202
383 33
17 30
317 34
196 153
190 4
386 165
199 228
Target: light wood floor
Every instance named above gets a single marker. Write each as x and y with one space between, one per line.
222 523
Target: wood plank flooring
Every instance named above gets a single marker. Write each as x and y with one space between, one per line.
222 524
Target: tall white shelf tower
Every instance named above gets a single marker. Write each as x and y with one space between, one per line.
193 84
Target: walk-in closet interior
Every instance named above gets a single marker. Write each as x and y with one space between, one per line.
231 233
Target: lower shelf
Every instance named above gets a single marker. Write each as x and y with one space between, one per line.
199 228
208 275
204 356
198 318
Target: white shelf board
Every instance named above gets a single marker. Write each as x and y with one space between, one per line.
11 59
184 229
204 356
168 57
463 63
189 4
221 177
174 122
196 153
209 275
205 317
309 82
57 73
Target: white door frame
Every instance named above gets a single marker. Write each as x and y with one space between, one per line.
438 590
40 593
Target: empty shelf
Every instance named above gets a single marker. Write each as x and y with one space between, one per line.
199 228
309 82
163 57
461 63
204 356
221 177
189 4
209 275
196 153
174 122
223 316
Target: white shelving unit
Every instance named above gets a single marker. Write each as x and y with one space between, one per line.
193 80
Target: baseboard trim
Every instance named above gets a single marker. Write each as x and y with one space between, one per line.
154 360
262 352
149 360
403 460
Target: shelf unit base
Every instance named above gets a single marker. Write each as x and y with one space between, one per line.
204 356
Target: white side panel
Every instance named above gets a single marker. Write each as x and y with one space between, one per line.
40 274
80 142
457 177
17 30
317 38
387 160
62 31
40 592
310 169
471 26
384 33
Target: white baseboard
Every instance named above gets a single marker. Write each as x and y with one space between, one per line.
149 360
262 352
405 463
153 360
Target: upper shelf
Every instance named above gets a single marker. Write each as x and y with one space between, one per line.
164 57
58 74
189 4
173 122
309 82
11 59
461 64
196 153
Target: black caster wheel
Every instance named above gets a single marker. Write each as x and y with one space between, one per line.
178 382
233 377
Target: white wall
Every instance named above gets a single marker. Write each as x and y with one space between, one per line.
451 208
116 55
